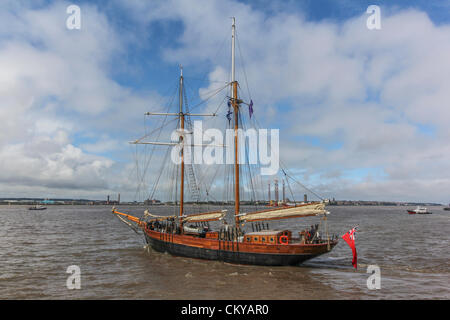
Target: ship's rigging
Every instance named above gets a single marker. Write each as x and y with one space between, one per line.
212 182
186 231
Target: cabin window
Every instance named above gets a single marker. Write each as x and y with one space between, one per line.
271 239
255 239
248 239
263 239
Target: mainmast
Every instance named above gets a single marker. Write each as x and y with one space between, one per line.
235 103
181 116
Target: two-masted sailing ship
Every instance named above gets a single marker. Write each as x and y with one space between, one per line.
190 235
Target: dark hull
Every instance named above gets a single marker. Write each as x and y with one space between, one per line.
231 255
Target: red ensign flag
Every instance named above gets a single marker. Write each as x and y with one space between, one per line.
349 237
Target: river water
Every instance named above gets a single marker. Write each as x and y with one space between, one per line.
37 247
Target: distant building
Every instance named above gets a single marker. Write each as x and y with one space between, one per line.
151 202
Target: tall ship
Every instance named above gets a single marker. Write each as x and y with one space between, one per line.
235 232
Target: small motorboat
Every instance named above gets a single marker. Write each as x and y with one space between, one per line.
37 207
419 210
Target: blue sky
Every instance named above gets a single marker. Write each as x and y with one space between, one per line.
351 104
143 57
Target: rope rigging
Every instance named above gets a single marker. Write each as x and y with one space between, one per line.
205 181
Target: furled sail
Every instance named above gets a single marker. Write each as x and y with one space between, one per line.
154 216
207 216
302 210
198 217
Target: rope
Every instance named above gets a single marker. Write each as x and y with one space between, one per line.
160 174
215 92
243 68
302 185
141 180
282 166
129 224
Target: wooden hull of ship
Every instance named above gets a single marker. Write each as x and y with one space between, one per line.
235 252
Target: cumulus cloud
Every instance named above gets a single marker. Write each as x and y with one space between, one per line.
346 99
55 85
378 95
52 163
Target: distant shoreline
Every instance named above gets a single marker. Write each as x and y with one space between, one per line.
52 202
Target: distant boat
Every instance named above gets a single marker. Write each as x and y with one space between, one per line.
447 208
37 207
419 210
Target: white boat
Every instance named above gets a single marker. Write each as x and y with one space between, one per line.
37 207
419 210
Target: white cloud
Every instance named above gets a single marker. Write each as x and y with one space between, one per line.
51 163
103 144
54 86
369 92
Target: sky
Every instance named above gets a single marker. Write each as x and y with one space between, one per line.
363 114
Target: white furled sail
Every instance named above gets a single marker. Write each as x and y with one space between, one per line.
160 218
207 216
301 210
198 217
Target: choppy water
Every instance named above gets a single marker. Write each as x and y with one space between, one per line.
37 247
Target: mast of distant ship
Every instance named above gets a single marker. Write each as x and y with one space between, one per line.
235 103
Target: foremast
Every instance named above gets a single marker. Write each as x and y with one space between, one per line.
235 102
